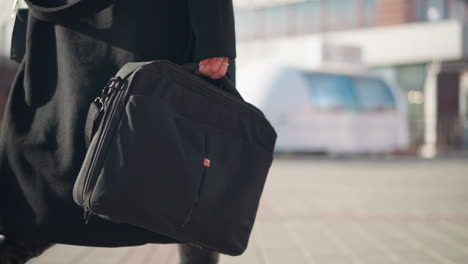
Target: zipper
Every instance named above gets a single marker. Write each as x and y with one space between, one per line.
86 215
91 173
102 109
202 180
195 245
111 92
109 98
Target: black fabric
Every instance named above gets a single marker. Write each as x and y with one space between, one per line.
18 39
42 142
20 251
193 255
58 11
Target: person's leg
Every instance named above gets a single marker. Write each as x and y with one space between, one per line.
192 255
19 251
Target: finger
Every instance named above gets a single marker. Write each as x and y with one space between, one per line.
202 68
217 65
205 69
201 64
221 72
212 66
222 69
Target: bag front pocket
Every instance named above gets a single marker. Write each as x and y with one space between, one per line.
152 171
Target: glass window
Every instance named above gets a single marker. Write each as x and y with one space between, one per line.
411 78
369 10
459 8
420 10
331 91
307 16
276 21
431 10
436 10
245 24
373 93
342 13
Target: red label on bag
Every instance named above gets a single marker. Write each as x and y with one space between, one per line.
206 163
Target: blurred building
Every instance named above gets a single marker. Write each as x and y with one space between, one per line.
421 45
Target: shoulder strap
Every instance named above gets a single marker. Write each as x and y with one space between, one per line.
69 11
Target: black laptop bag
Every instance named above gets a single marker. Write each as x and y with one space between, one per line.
174 153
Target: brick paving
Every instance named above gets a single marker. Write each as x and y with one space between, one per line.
320 211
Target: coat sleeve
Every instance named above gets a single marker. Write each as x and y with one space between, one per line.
213 26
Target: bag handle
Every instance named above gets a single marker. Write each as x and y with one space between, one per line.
225 82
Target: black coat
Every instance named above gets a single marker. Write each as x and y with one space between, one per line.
66 64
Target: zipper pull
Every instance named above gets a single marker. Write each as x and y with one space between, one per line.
99 103
195 245
87 215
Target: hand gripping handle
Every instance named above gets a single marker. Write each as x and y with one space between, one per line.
224 82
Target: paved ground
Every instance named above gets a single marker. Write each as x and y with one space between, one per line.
338 211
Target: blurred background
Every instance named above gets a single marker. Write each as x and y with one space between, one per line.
370 102
376 76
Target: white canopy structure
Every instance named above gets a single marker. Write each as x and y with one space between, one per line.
315 111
